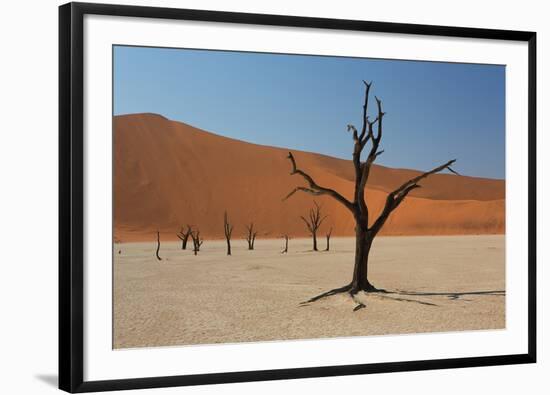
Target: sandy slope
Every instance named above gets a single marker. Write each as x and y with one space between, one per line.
168 174
440 284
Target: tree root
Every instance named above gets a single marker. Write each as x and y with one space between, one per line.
345 288
349 290
395 295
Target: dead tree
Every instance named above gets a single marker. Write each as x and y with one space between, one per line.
251 235
328 239
184 236
158 246
371 131
228 229
197 241
285 250
313 222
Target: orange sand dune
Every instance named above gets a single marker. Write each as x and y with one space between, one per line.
168 174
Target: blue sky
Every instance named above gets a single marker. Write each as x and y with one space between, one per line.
435 111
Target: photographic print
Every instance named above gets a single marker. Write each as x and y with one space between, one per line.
271 197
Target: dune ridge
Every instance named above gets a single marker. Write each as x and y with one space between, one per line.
168 174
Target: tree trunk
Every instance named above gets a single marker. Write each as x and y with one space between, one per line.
158 247
184 237
314 241
363 243
184 241
228 229
285 250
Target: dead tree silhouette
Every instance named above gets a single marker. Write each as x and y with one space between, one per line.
184 236
364 233
285 250
228 229
313 222
251 235
158 246
197 241
328 239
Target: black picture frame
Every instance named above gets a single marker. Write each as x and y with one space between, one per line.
71 204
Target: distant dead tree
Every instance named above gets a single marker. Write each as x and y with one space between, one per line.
117 241
228 229
197 241
158 246
184 236
328 239
313 222
251 235
285 249
364 234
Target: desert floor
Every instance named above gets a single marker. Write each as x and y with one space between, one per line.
436 284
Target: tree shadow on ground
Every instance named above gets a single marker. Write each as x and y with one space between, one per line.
399 299
451 295
404 296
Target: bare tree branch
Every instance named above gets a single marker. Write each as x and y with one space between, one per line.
303 189
379 118
395 197
362 170
365 105
306 222
314 188
184 236
416 179
354 129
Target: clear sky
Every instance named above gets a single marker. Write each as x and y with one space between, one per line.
435 111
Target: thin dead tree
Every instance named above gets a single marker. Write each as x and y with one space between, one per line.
371 131
285 249
251 235
328 239
313 222
158 246
197 241
228 229
184 236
